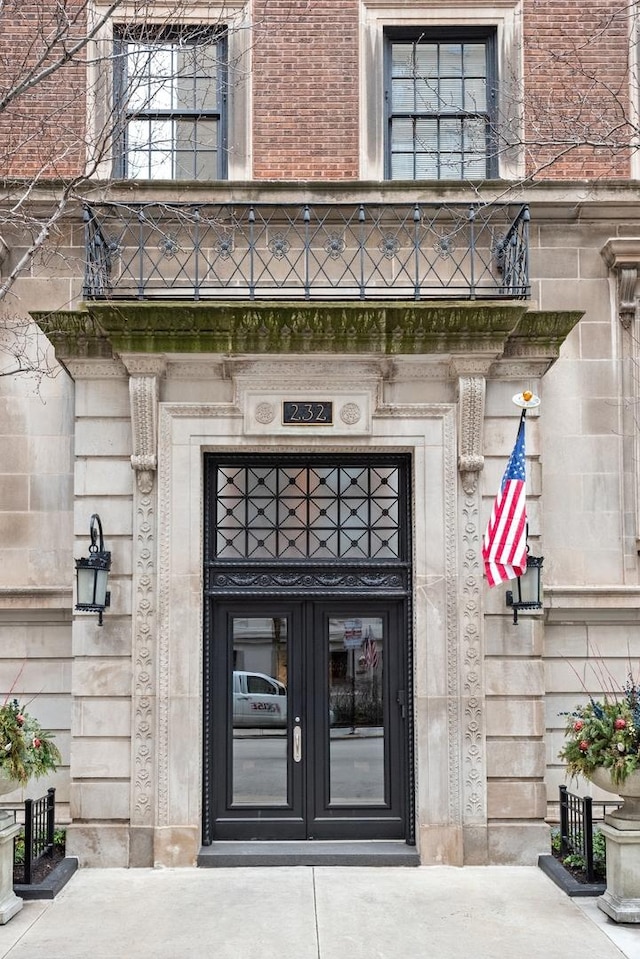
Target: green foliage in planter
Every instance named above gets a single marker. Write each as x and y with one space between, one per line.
577 861
26 749
605 733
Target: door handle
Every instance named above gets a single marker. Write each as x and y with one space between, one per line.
297 744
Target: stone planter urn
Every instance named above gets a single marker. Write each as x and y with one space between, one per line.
621 830
10 904
629 791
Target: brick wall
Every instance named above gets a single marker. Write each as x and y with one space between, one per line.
41 128
576 88
305 85
305 81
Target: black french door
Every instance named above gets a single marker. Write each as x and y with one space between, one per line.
307 652
309 720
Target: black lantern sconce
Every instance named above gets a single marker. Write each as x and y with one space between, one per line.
528 593
92 574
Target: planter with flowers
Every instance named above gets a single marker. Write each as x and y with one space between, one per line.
26 751
603 745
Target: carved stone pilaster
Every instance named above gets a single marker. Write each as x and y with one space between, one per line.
471 394
144 404
471 400
144 662
472 665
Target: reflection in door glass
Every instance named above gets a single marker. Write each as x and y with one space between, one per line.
356 711
259 706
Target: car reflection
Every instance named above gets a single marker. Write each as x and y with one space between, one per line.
258 700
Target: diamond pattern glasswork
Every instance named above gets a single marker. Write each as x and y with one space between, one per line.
305 512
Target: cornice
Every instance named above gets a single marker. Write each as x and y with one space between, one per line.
621 251
470 334
36 597
592 603
571 199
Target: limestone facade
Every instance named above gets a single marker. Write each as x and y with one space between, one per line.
124 435
136 392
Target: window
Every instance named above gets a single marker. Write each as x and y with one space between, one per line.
440 97
170 93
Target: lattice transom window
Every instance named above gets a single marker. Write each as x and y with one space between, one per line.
307 512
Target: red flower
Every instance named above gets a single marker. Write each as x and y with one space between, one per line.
36 743
584 745
20 719
620 723
578 725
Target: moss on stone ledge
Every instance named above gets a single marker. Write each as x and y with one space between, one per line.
389 328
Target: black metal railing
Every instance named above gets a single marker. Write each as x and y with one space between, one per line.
309 251
39 829
577 817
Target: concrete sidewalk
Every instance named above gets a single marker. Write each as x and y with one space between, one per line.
325 912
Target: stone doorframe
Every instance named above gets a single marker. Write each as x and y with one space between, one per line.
448 682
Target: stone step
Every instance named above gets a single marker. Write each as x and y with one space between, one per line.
313 853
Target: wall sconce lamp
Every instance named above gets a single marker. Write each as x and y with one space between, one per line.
528 593
92 574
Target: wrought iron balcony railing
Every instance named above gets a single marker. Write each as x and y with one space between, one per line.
313 251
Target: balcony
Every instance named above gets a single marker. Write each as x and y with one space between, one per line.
315 251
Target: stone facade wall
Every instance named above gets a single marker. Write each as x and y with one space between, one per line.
123 436
104 695
102 657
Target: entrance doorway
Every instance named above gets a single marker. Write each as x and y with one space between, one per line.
309 720
307 665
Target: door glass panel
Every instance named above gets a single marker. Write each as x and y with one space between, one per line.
259 706
356 711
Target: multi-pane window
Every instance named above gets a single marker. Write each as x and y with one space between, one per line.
170 95
308 512
440 97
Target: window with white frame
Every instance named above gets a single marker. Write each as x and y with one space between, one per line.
441 100
170 98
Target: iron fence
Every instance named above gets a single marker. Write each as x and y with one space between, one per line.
354 251
577 817
39 829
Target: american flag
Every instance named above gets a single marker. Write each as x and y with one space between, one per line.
504 547
370 650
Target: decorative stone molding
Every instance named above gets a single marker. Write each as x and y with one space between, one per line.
471 395
456 757
540 334
143 394
98 369
472 660
348 327
622 256
627 282
144 656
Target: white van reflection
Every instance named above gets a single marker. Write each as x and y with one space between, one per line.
258 700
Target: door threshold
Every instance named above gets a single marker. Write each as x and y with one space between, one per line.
311 853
